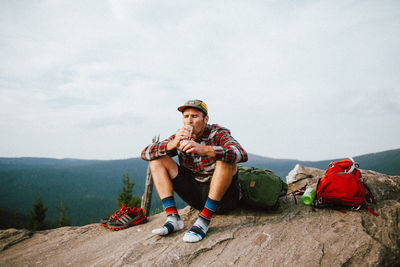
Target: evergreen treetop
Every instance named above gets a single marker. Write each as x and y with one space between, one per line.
63 218
38 215
126 197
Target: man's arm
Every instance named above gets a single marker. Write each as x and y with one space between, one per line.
199 149
158 149
224 148
227 149
165 147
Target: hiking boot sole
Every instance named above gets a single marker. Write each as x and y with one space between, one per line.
137 222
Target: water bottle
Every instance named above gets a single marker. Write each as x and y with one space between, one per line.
189 128
308 196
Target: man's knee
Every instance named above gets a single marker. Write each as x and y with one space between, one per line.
221 182
226 166
164 163
156 163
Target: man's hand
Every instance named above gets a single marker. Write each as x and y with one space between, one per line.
181 135
190 146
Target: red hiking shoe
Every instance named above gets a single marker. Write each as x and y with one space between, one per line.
133 216
114 216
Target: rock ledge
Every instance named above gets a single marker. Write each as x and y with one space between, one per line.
294 235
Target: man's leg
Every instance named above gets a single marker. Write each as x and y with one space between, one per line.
163 170
220 182
222 179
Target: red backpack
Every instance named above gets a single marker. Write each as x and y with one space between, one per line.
342 185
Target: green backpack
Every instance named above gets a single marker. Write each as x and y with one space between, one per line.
260 188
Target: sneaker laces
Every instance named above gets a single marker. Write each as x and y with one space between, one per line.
127 215
122 210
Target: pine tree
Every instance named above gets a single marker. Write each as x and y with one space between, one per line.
62 219
38 215
126 197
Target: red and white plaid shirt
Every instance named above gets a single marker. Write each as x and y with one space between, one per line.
226 149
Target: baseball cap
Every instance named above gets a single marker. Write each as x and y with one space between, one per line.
194 104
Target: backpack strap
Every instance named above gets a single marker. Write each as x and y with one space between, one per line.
369 196
352 166
365 205
298 192
319 205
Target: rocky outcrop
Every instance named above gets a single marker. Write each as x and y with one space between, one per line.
293 235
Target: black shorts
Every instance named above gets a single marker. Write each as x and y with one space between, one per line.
195 193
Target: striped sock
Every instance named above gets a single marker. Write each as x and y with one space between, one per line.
170 206
174 222
200 227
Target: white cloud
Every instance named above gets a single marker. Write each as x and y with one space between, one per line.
288 78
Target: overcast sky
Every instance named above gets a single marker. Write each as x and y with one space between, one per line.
306 80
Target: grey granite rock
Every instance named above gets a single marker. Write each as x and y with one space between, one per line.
294 235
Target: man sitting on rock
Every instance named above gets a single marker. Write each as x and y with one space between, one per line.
206 177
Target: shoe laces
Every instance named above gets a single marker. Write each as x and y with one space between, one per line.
122 210
134 210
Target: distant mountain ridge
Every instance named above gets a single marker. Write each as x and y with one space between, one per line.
32 162
90 187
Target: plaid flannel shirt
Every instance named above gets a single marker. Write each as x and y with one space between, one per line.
226 149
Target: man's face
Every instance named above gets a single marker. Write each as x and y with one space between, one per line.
196 118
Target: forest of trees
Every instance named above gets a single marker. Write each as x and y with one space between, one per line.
79 192
37 220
